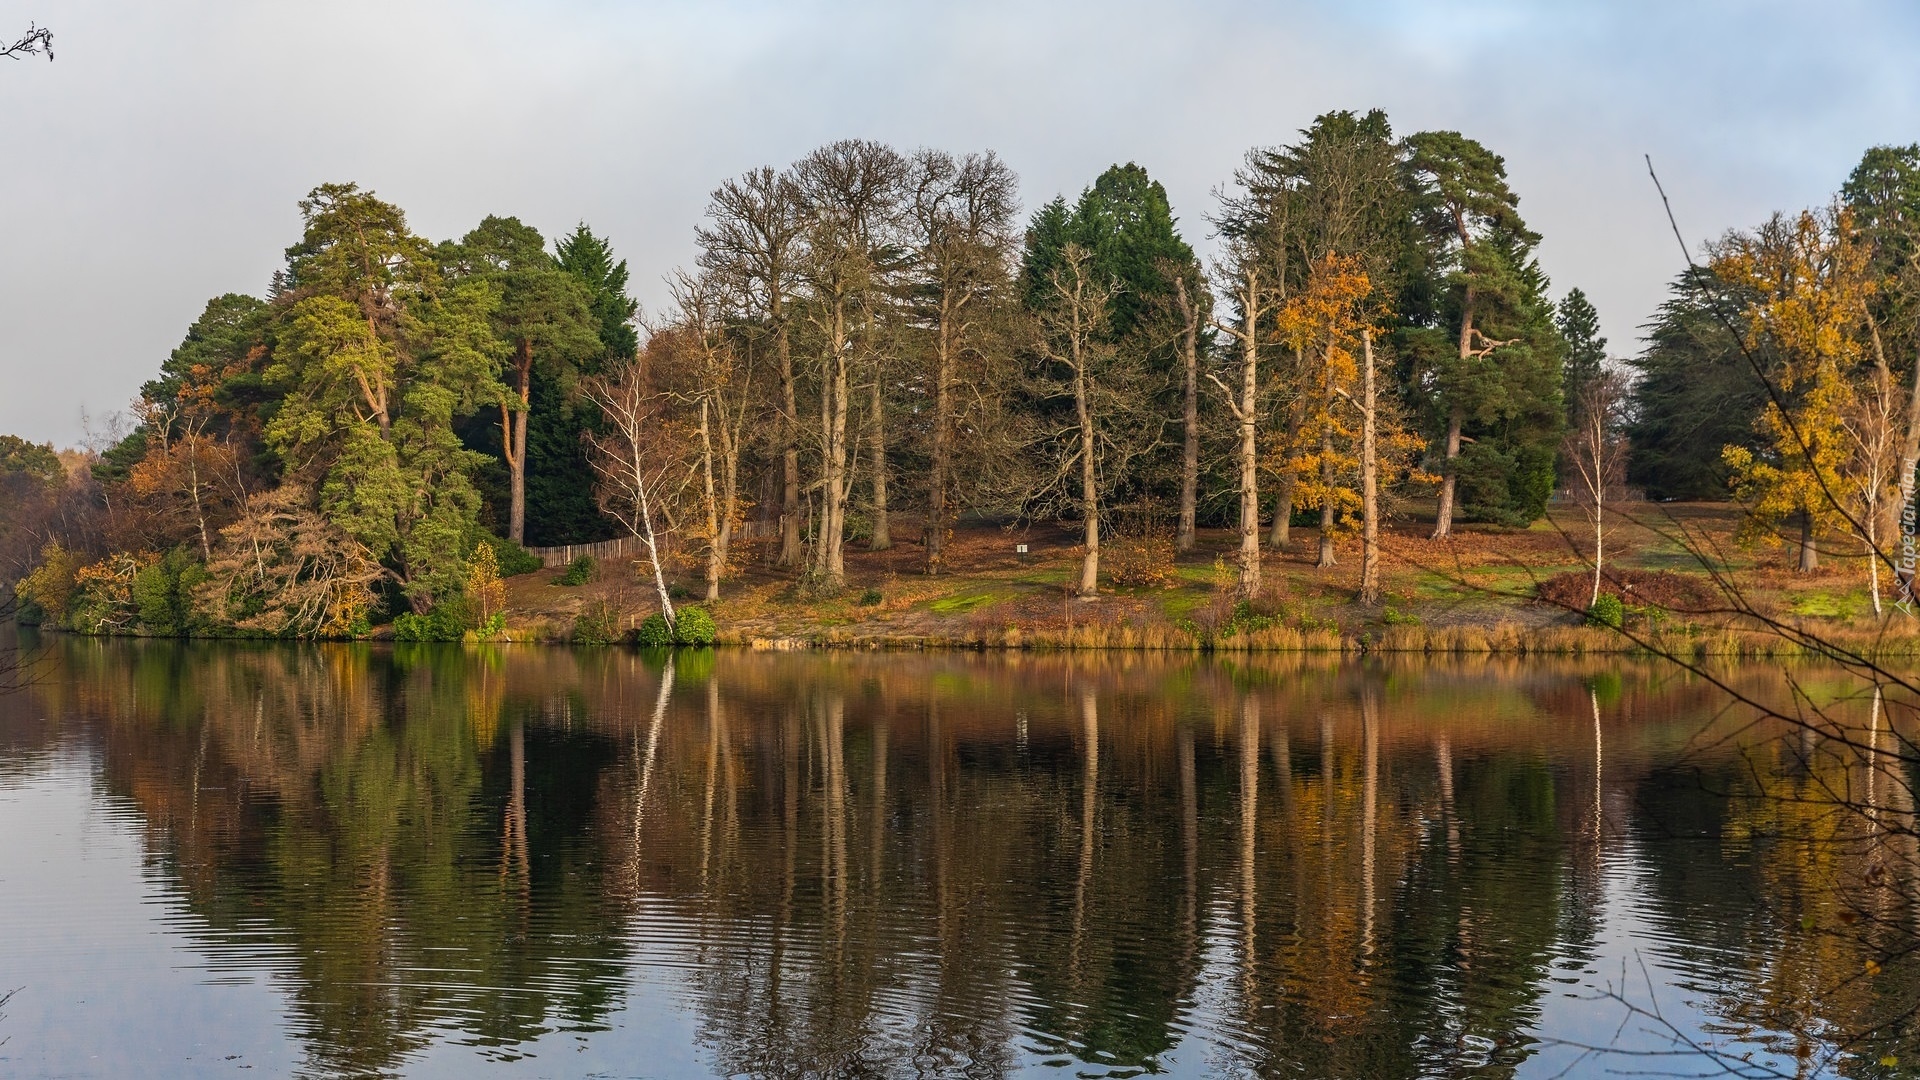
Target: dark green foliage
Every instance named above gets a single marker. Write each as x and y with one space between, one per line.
1579 324
1481 270
164 593
694 627
578 572
1608 611
1126 224
1693 394
511 557
590 259
871 597
222 338
447 621
560 503
653 633
597 624
34 460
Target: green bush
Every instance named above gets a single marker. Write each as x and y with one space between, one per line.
597 624
1607 611
446 621
871 597
163 592
579 572
654 633
513 558
693 626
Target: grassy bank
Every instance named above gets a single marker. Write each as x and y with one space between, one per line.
1478 593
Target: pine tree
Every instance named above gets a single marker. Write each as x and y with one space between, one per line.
1579 325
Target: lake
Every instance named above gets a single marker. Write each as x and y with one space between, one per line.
367 860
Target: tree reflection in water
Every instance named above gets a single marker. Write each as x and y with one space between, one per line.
975 865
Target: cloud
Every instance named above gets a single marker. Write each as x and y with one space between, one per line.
158 161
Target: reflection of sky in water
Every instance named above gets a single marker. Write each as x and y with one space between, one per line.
121 976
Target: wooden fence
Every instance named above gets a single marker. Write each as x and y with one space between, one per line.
622 547
604 550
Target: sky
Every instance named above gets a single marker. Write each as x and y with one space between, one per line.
158 161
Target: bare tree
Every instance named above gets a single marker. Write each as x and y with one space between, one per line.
1072 319
753 241
631 461
709 371
1190 322
1877 435
37 41
1255 295
850 191
962 214
1598 453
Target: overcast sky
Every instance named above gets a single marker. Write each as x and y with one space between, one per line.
157 161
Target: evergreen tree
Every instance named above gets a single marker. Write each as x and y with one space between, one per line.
590 259
1693 394
1579 325
542 318
1125 225
1491 360
374 356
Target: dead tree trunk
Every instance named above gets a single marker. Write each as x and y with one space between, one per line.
1190 417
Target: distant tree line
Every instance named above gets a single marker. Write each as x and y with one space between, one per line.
871 338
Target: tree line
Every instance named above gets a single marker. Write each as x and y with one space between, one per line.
1782 372
867 337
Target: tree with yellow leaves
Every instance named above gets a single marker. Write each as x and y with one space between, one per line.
1322 323
485 591
1821 459
1351 443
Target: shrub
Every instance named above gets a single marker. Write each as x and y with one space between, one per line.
693 626
578 572
1607 611
163 592
1143 562
597 624
871 597
1684 593
654 633
49 589
446 621
513 560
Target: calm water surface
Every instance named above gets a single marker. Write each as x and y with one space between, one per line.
358 860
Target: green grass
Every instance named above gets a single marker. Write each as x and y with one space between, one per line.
1182 603
961 603
1826 605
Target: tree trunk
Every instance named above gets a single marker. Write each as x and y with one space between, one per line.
1326 558
834 390
1248 414
1443 519
882 535
729 487
1089 493
1809 555
715 556
1190 416
639 467
516 439
1282 533
1369 479
1599 524
933 535
789 454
